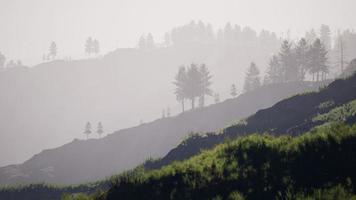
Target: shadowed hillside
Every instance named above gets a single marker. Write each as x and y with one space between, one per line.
291 116
81 161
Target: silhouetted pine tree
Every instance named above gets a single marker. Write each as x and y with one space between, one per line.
233 90
150 44
87 130
142 43
88 46
193 84
100 129
302 58
53 50
318 61
274 72
252 79
205 83
181 86
288 63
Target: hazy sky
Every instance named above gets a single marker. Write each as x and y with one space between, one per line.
28 26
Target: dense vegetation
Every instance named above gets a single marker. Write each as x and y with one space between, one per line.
319 164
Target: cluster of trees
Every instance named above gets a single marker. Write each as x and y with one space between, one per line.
294 61
146 42
199 32
193 82
91 46
52 52
88 129
10 63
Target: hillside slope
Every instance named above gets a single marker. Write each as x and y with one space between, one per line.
49 104
255 167
292 116
81 161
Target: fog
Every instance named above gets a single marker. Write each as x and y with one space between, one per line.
27 27
48 104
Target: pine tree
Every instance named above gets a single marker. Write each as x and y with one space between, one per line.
193 84
205 83
100 129
340 48
233 91
150 44
287 61
325 36
181 86
318 61
53 50
87 130
88 47
274 71
252 79
302 58
142 43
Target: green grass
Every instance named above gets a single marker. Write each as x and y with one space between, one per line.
254 167
338 114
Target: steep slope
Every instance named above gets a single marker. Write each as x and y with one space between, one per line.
81 161
317 165
254 167
49 104
292 116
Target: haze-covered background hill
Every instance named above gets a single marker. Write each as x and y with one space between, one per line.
77 161
335 104
49 104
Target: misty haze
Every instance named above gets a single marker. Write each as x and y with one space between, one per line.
229 99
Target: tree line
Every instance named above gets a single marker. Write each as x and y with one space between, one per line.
293 63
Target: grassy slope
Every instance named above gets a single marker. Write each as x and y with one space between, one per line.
255 166
292 116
